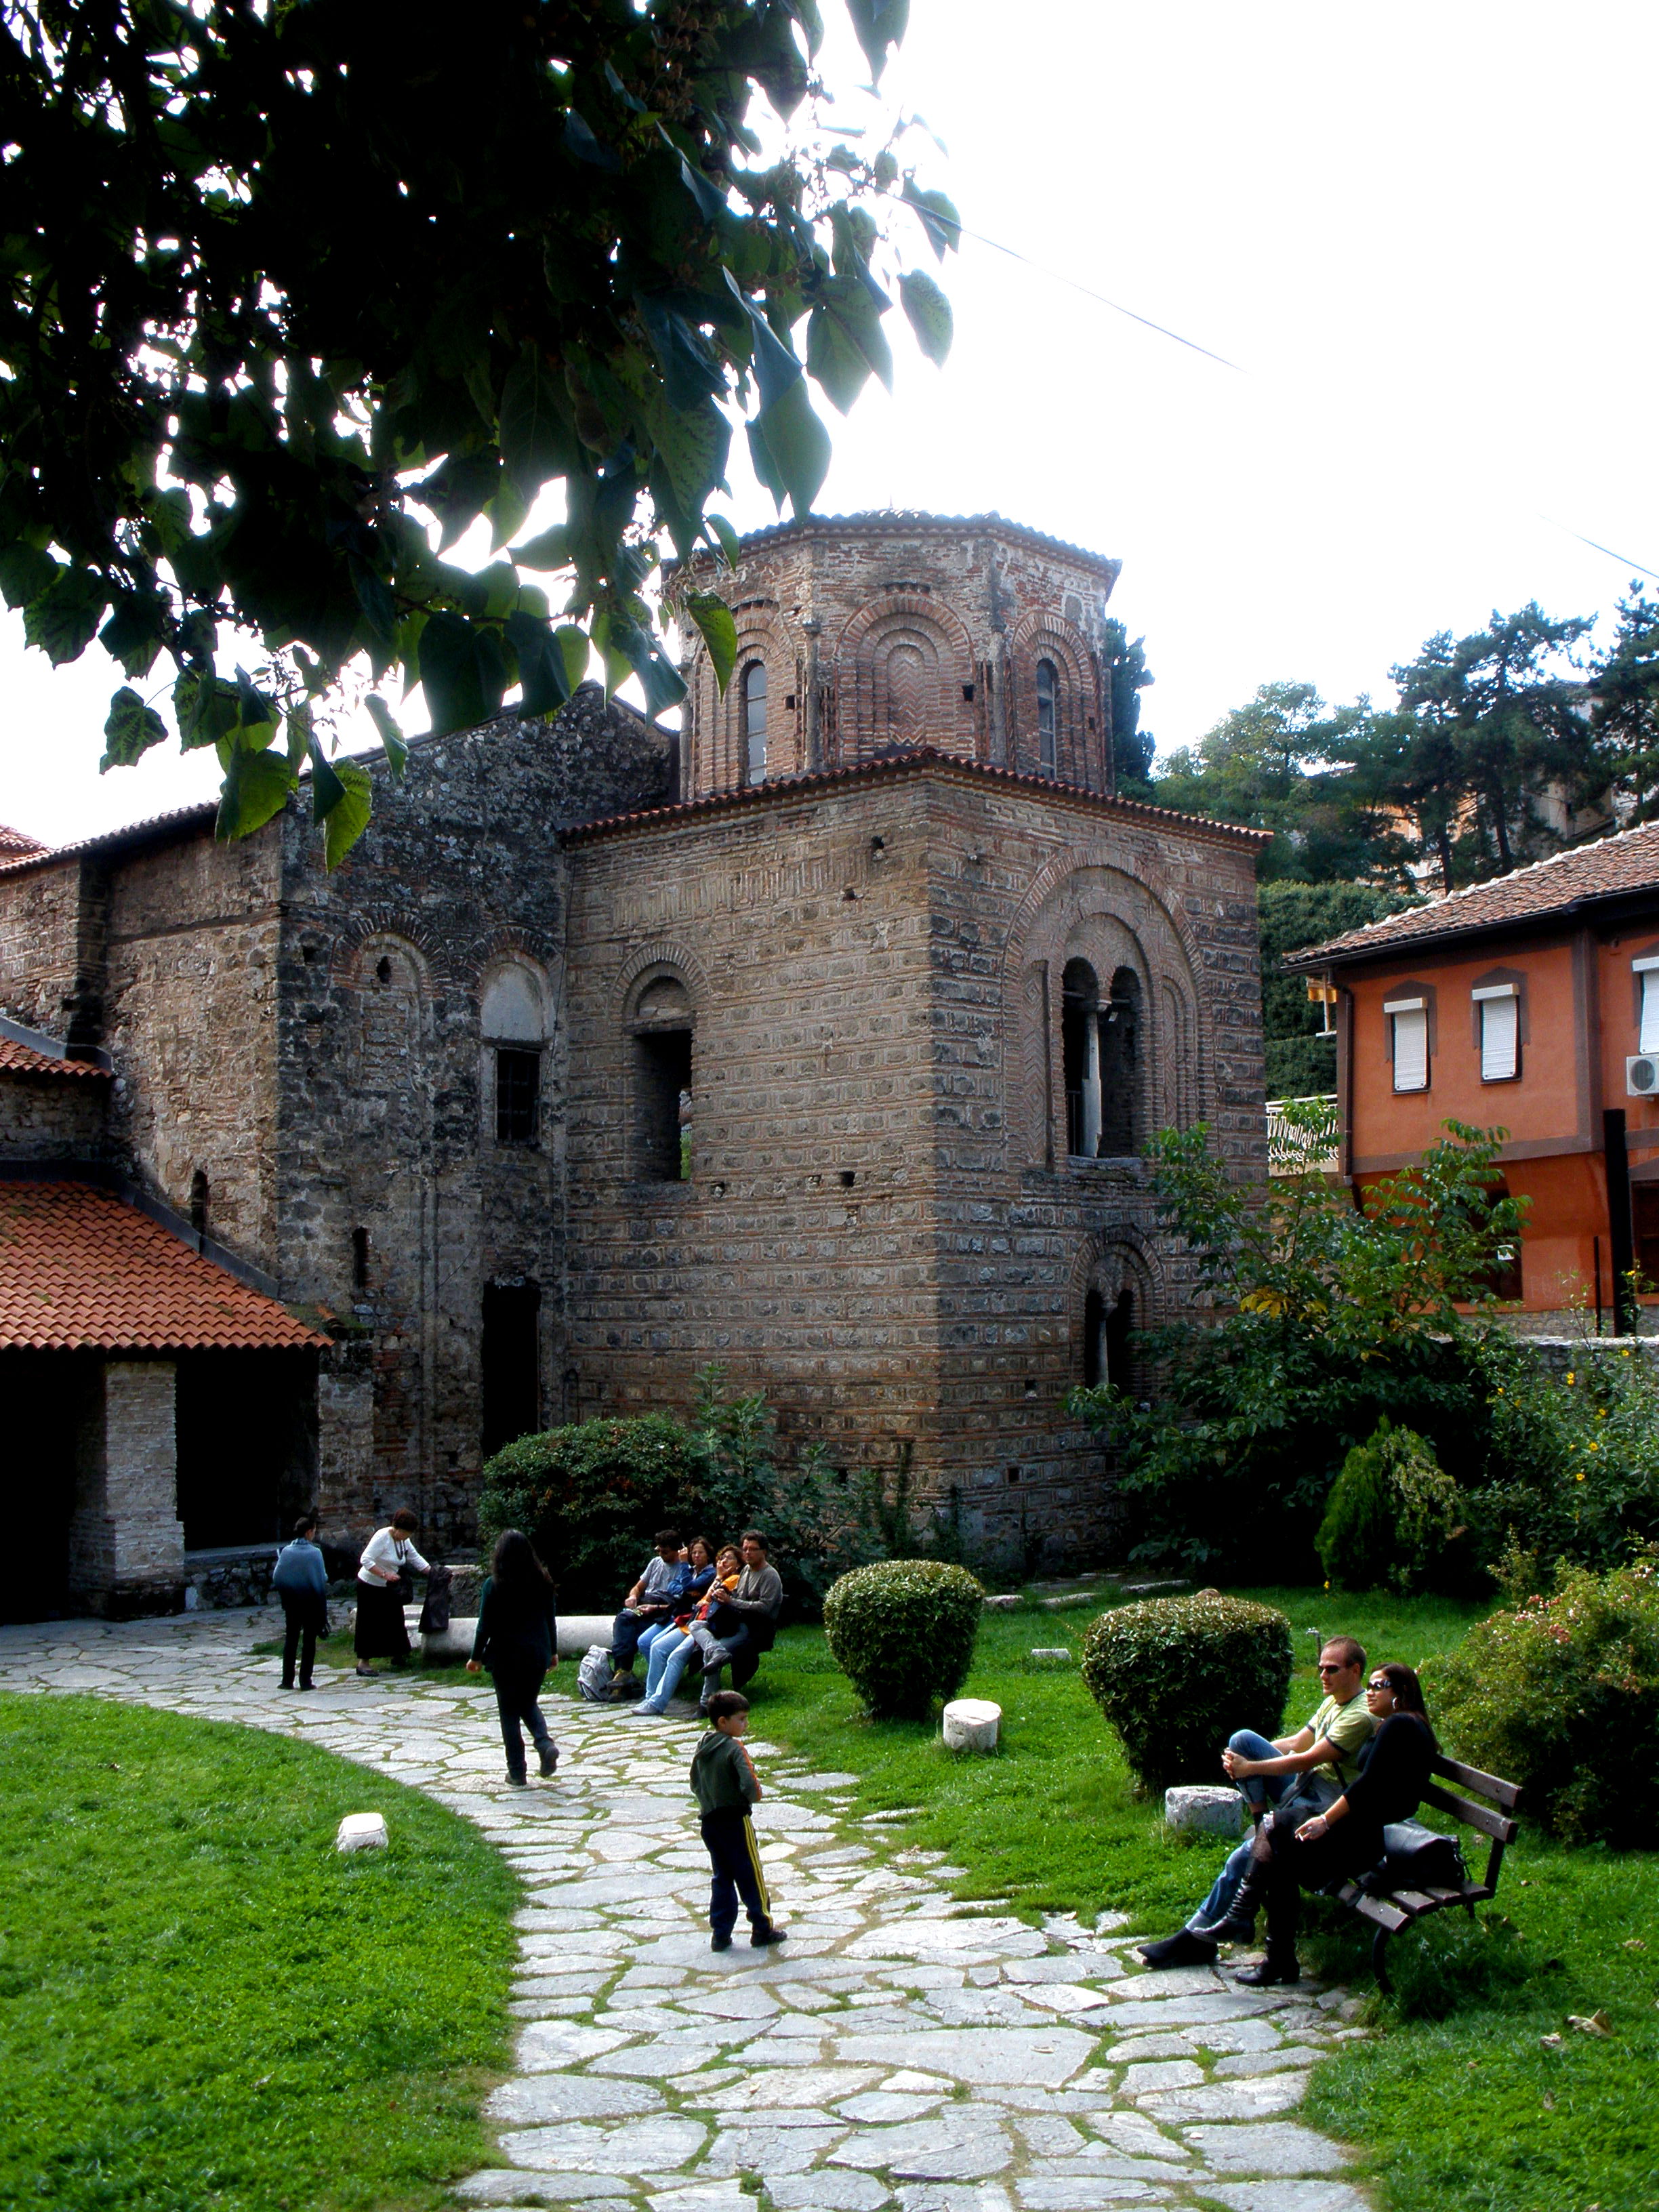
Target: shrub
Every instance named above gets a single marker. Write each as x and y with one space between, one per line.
1175 1676
590 1496
1561 1695
903 1633
1393 1516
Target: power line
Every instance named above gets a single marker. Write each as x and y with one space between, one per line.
1595 546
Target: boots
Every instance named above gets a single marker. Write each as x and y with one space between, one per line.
1278 1965
1238 1923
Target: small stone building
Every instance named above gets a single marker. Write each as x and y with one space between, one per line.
822 1037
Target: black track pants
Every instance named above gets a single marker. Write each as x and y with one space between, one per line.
730 1836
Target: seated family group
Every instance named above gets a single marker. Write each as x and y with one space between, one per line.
697 1604
1321 1800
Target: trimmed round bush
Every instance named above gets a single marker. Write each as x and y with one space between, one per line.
1176 1675
903 1633
1561 1696
1393 1518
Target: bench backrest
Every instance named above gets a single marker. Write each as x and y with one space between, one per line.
1486 1806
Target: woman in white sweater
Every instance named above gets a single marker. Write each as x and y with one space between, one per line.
388 1556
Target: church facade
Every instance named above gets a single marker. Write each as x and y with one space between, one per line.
823 1038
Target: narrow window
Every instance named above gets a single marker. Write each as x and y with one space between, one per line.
754 722
1094 1341
1499 1010
1047 713
1079 1038
1120 1327
509 1363
1120 1066
664 1072
198 1204
1410 1019
1648 1039
360 1262
518 1094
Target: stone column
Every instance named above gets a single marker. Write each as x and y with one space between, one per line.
126 1540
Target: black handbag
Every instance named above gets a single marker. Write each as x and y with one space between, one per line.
1416 1857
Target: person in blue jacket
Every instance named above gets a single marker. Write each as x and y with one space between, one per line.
300 1581
517 1640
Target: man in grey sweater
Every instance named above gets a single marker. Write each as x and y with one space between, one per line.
746 1622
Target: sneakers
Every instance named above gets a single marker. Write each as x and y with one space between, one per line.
548 1755
763 1936
719 1942
1184 1948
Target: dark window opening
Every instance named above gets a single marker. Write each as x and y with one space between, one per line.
663 1076
1120 1066
754 722
1078 1039
518 1094
1120 1327
968 694
510 1363
243 1476
383 971
1013 1474
848 1177
1644 1221
359 1260
1094 1363
199 1203
1048 715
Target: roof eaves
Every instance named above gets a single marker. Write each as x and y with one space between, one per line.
899 522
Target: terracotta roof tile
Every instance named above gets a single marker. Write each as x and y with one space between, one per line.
905 761
23 1059
79 1270
14 843
31 855
1611 866
909 522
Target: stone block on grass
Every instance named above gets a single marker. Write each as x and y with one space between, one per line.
1205 1809
972 1724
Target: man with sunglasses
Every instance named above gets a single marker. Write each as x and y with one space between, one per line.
1307 1771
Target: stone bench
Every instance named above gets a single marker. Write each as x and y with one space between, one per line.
454 1647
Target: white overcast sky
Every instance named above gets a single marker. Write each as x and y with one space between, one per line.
1423 231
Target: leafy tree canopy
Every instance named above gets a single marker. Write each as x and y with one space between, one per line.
1299 1037
287 286
1129 676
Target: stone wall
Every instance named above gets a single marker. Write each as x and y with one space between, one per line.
881 1228
40 935
47 1118
126 1541
882 630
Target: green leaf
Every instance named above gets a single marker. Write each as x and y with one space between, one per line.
374 596
326 789
796 443
131 729
928 313
25 572
535 435
207 709
550 551
462 671
64 620
694 444
937 215
543 680
725 538
132 635
845 342
397 745
507 512
878 24
720 632
256 787
348 821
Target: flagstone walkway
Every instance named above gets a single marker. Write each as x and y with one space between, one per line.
901 2051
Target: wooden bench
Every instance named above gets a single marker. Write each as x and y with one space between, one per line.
1486 1807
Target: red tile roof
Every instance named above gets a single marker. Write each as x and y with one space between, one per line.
1611 868
14 842
910 522
23 1059
79 1270
908 761
29 854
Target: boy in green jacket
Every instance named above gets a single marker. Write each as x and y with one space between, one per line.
723 1783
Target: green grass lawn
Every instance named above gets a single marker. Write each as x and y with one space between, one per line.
1472 2113
204 2004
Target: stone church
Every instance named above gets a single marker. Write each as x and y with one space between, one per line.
822 1037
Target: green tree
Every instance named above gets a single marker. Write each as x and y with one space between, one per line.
1128 676
1301 1053
286 285
1625 717
1498 719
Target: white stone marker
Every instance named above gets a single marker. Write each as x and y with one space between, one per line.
1004 1604
362 1832
1051 1655
972 1724
1206 1808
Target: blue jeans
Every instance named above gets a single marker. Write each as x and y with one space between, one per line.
1315 1784
671 1654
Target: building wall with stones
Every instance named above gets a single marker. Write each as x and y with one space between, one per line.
877 631
884 1226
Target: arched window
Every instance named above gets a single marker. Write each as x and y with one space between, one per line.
1095 1370
754 722
1079 1038
1100 1048
1048 716
662 1026
1119 1067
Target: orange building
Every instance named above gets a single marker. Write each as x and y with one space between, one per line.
1532 1003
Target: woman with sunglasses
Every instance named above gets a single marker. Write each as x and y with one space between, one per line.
1346 1839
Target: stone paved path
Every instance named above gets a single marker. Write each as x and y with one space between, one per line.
901 2051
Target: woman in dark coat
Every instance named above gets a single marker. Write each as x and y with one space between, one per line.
1346 1840
517 1640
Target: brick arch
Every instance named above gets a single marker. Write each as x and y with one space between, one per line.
1080 751
717 734
665 953
1121 1257
903 664
387 930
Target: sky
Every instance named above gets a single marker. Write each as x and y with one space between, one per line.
1421 234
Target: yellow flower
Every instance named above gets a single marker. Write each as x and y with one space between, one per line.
1571 1377
1581 1475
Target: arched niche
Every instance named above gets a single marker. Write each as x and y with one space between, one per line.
904 676
1056 719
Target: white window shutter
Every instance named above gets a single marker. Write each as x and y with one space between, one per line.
1649 1040
1500 1039
1411 1049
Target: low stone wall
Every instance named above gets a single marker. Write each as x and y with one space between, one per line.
233 1574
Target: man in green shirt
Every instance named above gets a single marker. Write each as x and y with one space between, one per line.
1314 1767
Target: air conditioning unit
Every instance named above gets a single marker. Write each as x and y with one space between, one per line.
1641 1075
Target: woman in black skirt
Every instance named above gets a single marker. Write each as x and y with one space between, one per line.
517 1640
387 1557
1346 1840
